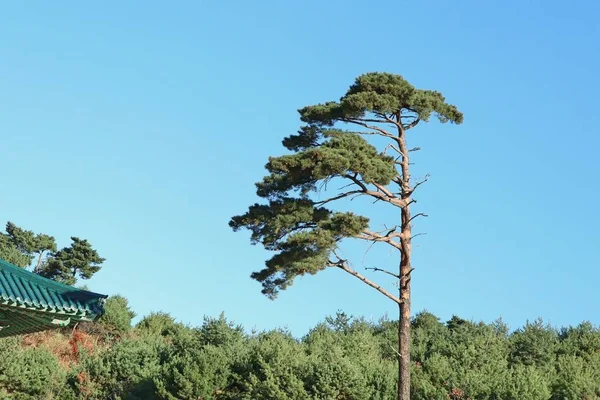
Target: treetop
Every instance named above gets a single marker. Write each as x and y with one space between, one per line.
382 94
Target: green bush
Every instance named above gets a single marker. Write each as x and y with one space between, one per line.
28 373
117 315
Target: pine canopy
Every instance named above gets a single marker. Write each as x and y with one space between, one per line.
303 232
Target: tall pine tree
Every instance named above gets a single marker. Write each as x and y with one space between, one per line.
305 233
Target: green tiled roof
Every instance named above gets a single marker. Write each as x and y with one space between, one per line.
31 303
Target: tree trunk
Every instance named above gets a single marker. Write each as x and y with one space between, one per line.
405 270
39 262
404 332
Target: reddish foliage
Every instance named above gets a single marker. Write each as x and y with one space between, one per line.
84 384
457 393
80 340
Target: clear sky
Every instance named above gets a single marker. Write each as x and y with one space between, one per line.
143 125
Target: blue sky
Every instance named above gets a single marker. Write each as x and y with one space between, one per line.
143 126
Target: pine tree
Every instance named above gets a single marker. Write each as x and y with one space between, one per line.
78 260
305 233
20 246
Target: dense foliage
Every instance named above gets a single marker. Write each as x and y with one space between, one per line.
341 358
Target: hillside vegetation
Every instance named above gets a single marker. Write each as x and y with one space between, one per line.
341 358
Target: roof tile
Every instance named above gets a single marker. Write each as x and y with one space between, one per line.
30 303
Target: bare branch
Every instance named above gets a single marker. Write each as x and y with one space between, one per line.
376 121
388 229
365 255
357 195
384 271
380 237
356 181
418 215
382 192
417 234
342 264
346 186
340 196
324 184
411 125
378 130
383 189
395 351
415 149
420 183
363 236
377 237
387 119
340 259
396 149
